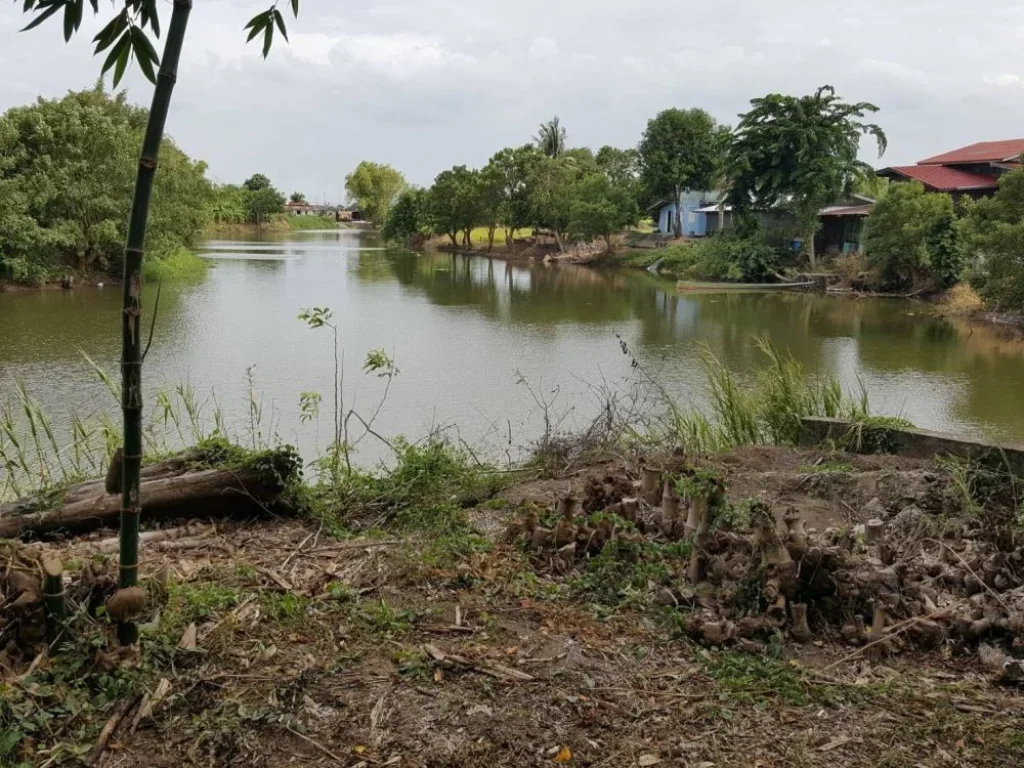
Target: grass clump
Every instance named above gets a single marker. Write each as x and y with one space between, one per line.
177 266
300 223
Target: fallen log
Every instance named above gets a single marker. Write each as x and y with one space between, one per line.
202 494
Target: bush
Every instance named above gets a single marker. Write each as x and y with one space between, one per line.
911 239
181 265
993 235
724 257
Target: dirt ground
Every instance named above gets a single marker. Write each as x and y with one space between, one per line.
281 646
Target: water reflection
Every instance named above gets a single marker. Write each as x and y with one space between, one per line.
464 329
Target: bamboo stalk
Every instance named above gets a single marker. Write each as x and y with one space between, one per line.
131 341
54 600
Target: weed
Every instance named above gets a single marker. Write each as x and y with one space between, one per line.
195 602
826 467
386 620
622 574
875 434
178 266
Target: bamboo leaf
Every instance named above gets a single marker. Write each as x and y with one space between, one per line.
279 20
106 36
151 16
70 8
115 52
122 64
142 54
28 6
42 17
256 29
144 48
257 21
95 5
268 39
295 7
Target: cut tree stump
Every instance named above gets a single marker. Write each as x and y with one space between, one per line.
168 491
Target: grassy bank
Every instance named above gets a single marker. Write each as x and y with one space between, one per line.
279 223
179 266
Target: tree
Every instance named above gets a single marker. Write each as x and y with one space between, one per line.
551 137
374 188
126 37
514 167
490 198
911 238
552 192
256 182
993 238
69 163
262 203
799 153
682 149
408 217
600 209
453 204
298 198
621 166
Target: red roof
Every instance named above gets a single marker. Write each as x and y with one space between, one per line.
942 179
982 152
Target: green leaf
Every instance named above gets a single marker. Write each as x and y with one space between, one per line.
295 8
144 48
42 17
115 52
151 16
143 52
268 39
279 20
106 36
257 27
122 62
72 18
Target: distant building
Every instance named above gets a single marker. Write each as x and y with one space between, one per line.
691 205
973 170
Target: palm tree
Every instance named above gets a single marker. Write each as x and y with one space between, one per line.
550 138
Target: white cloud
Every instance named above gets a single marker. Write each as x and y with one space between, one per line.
424 84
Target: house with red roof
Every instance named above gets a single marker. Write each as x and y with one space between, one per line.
973 170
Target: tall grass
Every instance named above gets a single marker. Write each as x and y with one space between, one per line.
764 408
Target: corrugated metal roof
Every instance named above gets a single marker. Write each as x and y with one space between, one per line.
847 210
982 152
942 179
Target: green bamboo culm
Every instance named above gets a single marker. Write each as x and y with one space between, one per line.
54 601
131 341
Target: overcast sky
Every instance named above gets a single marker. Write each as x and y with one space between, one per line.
425 84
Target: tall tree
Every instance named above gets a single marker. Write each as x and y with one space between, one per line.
799 153
600 208
408 217
552 192
126 37
993 233
514 166
374 188
453 204
551 137
256 182
298 198
681 149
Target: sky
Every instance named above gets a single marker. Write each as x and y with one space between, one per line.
427 84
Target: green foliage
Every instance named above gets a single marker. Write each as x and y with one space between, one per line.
299 223
297 197
993 236
453 203
728 256
911 238
755 678
179 266
408 217
261 199
625 570
375 188
67 168
600 208
681 150
551 137
798 153
512 168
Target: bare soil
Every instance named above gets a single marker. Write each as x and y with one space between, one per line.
410 650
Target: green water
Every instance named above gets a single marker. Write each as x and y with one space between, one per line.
483 344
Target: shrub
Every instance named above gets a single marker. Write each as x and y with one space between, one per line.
993 234
911 238
724 257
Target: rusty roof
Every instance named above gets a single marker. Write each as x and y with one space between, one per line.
941 178
982 152
847 210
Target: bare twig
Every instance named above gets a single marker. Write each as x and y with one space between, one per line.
317 745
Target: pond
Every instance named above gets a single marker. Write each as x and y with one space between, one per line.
484 346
